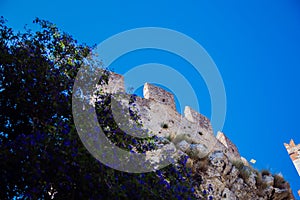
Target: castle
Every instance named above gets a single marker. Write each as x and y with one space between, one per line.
213 158
158 114
294 152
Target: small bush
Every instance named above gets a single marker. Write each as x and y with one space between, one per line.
238 164
261 186
202 164
244 172
265 172
279 181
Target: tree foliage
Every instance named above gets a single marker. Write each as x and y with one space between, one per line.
41 155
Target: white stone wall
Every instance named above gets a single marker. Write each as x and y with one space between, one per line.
294 152
228 144
158 114
115 84
158 94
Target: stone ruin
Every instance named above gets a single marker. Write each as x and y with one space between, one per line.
158 114
192 135
294 152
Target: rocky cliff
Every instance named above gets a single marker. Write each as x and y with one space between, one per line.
218 169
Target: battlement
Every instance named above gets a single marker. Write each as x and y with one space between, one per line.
158 115
291 147
158 94
196 117
294 152
115 84
228 144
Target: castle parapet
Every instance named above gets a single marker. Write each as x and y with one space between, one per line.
158 114
231 148
294 152
158 94
194 116
115 84
291 146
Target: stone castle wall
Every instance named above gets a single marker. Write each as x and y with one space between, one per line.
192 134
115 84
158 94
294 152
228 144
158 114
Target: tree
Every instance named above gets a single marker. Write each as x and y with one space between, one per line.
41 154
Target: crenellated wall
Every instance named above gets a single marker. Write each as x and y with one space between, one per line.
294 152
158 114
191 134
158 94
196 117
115 84
228 144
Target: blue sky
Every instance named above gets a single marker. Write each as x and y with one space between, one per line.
255 45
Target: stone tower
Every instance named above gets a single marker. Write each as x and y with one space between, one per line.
294 152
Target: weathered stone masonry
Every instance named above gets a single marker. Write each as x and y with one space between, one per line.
294 152
157 108
192 135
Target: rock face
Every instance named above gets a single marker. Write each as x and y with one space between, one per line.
216 161
233 180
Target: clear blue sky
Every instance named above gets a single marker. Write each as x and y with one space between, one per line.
255 45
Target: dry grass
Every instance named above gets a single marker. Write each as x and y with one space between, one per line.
265 172
260 184
279 182
202 164
244 172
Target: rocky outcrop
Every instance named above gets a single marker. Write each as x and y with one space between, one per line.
233 180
